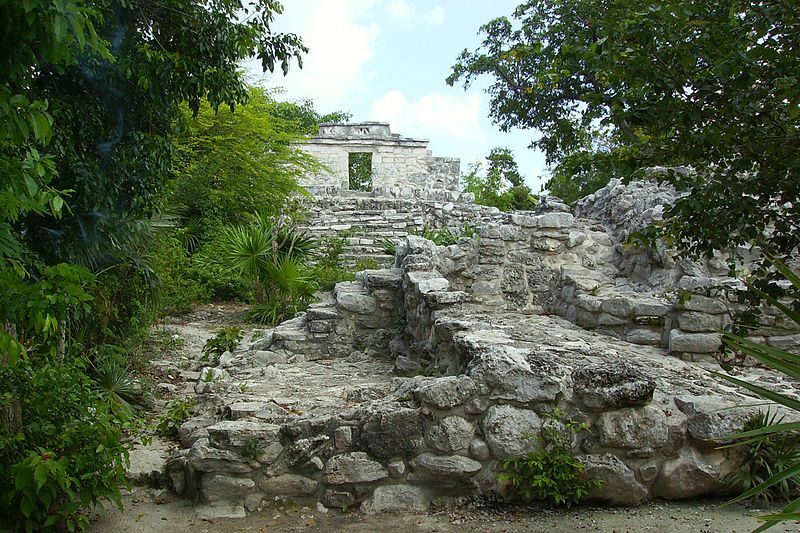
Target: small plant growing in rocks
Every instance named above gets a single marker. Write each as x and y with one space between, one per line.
178 411
226 340
252 448
765 455
551 473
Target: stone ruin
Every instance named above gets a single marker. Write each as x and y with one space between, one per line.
399 166
416 381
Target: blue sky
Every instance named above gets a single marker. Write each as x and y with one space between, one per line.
387 60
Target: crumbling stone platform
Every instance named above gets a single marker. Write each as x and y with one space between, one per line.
416 382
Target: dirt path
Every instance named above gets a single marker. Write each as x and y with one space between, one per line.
155 510
142 513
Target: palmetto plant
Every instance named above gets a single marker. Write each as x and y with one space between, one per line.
271 256
113 381
785 474
766 455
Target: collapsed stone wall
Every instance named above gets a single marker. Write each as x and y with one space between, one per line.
488 337
396 161
369 218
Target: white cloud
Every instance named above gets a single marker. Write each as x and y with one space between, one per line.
399 10
435 16
341 45
452 123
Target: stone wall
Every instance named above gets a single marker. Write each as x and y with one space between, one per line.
488 338
397 162
483 383
367 219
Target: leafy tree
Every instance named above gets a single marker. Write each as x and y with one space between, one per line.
615 86
234 162
502 186
307 118
89 95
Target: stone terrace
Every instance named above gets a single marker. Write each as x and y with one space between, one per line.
485 338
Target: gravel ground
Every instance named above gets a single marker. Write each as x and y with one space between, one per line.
143 513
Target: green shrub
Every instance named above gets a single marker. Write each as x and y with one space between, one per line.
388 246
177 412
765 455
328 270
225 340
118 389
252 448
178 291
783 473
64 456
328 276
124 306
365 264
551 473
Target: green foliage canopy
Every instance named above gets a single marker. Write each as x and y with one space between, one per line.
615 86
230 163
502 186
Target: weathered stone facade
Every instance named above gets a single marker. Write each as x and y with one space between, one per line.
399 164
486 337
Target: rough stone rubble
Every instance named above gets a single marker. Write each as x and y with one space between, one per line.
417 381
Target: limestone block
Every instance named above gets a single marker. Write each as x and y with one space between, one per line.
588 302
704 304
450 435
220 512
291 330
321 326
444 469
396 498
586 319
789 343
504 427
218 487
620 306
607 319
648 308
479 450
690 475
208 378
525 221
192 430
680 341
227 434
555 220
268 357
620 486
321 313
633 428
476 405
511 374
343 437
694 321
396 468
393 432
612 386
204 458
644 336
715 428
360 304
287 485
432 285
449 297
446 392
355 467
484 288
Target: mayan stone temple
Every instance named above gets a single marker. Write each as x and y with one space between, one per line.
397 165
418 379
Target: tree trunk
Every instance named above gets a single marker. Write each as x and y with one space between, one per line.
10 415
